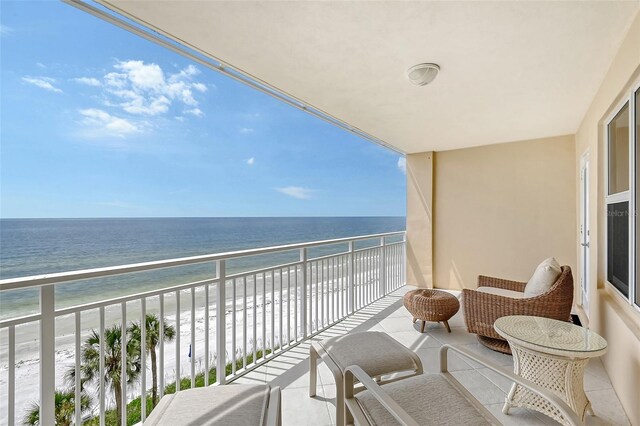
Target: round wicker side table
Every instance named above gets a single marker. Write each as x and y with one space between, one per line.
431 305
552 354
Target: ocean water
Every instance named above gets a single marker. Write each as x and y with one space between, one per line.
41 246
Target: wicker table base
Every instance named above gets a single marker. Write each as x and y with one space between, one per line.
563 376
552 354
431 305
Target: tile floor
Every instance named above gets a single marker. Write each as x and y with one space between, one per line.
290 370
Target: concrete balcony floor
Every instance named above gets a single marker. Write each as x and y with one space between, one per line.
290 370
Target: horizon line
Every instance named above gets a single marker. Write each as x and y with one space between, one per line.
198 217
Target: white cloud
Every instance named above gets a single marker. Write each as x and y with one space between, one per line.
4 30
187 72
402 164
116 80
296 192
195 111
89 81
251 161
40 65
100 123
246 130
144 88
139 105
132 89
199 87
186 95
142 76
45 83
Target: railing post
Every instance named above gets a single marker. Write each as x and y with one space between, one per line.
123 363
78 384
221 309
11 414
47 355
143 359
404 258
351 280
303 304
383 267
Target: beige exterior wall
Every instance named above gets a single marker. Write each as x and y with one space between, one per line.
609 314
419 219
501 209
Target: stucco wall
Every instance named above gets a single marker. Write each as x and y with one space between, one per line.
609 314
501 209
420 219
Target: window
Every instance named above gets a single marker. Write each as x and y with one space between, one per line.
619 152
618 246
618 201
623 181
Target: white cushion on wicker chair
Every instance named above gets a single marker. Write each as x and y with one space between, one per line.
543 278
502 292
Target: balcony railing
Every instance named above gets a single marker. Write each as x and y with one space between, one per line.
233 328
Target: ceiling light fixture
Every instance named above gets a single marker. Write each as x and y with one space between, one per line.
423 74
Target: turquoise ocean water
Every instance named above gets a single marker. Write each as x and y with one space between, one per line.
41 246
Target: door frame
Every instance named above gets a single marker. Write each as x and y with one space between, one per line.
584 233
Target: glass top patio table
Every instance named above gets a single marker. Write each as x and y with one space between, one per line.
550 336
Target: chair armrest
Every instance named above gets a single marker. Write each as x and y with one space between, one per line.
274 414
570 416
354 372
484 281
481 309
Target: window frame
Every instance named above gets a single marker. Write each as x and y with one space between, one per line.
630 195
634 169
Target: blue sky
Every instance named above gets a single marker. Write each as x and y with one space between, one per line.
96 122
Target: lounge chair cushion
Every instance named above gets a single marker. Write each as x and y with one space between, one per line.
502 292
375 352
429 399
543 278
214 405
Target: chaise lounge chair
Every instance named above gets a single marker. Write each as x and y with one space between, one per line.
229 405
430 399
376 353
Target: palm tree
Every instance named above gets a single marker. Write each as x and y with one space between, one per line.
152 330
65 408
90 368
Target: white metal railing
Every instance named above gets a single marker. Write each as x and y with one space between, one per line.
258 314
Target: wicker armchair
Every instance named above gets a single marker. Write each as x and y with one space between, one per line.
482 309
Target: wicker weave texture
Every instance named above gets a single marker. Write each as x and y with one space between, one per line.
484 281
563 376
431 305
497 345
481 310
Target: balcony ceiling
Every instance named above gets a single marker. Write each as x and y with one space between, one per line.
509 70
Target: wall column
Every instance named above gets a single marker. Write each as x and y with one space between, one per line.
420 219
